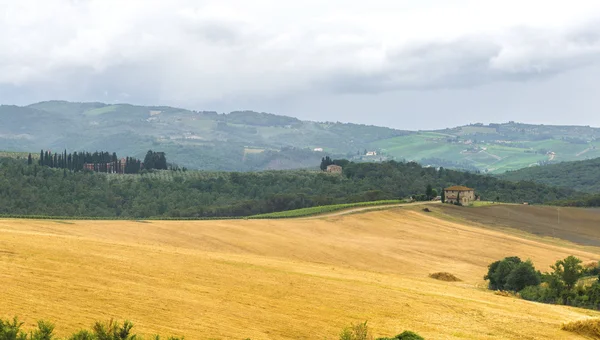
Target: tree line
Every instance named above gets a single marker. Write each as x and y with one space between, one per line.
34 190
102 161
566 284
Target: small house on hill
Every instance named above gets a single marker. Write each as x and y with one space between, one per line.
459 193
335 169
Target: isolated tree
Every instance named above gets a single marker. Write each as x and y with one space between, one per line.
29 160
443 196
568 270
428 191
325 162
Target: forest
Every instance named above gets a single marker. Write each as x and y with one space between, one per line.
581 175
31 189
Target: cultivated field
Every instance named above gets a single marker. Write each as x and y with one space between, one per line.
276 279
577 225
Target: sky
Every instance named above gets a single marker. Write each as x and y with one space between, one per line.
400 63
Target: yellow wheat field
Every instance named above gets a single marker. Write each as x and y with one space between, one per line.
275 279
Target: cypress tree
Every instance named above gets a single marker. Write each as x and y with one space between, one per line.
41 158
29 160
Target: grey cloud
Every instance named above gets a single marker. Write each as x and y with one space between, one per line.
471 61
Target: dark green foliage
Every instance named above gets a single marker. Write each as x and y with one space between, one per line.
429 192
406 335
360 331
569 270
155 160
582 202
43 191
11 330
499 271
325 162
521 276
43 332
560 286
582 175
443 196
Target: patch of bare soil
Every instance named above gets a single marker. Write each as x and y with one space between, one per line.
443 276
578 225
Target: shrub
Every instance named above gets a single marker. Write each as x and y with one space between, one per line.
406 335
360 331
11 330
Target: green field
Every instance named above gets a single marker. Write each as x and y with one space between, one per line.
489 155
323 209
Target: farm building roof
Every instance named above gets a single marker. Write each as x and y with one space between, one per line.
459 188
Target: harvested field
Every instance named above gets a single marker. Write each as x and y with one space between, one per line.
577 225
589 328
276 279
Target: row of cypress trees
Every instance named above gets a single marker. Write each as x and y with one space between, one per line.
100 161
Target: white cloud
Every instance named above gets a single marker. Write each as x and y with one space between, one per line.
189 52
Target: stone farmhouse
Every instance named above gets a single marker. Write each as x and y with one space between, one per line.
335 169
461 194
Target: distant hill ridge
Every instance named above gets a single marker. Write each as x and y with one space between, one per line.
582 176
248 140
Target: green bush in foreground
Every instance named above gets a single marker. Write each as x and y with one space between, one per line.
11 330
360 331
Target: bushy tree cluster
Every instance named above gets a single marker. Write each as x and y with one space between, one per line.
155 160
512 274
562 285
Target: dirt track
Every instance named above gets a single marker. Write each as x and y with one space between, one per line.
572 224
367 209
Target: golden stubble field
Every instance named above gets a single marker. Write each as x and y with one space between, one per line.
275 279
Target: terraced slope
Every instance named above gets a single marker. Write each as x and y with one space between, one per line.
276 279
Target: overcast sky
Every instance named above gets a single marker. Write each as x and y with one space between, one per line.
400 63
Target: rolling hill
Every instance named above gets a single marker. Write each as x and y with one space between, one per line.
582 176
283 279
43 191
246 140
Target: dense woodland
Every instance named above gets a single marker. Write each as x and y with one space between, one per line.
41 190
581 176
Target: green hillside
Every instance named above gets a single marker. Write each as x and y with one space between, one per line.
496 148
582 175
40 190
247 140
